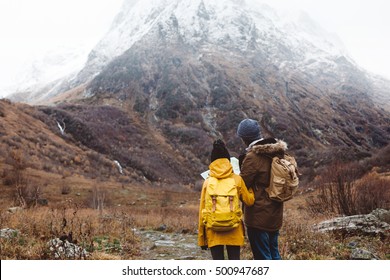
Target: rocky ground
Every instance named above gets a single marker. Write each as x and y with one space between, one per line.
159 245
354 237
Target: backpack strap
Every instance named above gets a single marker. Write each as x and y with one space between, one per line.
231 203
214 200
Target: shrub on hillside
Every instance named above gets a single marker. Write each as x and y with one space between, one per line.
381 160
25 194
174 106
65 187
372 192
341 191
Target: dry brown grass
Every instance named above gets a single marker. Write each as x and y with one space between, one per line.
89 202
175 219
299 241
108 233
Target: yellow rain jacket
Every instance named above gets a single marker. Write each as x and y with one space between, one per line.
220 169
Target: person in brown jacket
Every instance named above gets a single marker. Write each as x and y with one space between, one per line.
264 219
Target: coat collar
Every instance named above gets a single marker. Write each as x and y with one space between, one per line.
264 146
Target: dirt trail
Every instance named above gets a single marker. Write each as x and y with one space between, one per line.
158 245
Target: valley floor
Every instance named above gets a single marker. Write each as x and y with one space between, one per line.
157 245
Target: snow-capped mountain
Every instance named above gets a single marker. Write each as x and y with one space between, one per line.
289 41
190 70
235 24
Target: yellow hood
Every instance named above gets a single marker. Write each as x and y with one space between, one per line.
221 168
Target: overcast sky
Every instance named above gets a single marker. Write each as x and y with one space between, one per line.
362 25
30 27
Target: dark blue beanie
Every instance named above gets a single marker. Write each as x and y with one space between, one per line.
249 129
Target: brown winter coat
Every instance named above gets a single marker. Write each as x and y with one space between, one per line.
265 214
221 168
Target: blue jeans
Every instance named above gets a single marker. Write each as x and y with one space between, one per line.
264 244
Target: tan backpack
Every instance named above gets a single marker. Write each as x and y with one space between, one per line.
284 179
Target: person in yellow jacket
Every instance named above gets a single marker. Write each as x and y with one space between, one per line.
221 168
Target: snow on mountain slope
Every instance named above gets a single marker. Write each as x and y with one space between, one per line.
190 70
232 23
289 41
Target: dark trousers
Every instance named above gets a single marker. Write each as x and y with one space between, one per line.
217 252
264 244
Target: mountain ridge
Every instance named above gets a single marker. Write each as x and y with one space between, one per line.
199 67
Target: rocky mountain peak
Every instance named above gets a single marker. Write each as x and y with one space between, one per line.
190 71
246 26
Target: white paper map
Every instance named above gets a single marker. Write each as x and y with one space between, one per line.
235 165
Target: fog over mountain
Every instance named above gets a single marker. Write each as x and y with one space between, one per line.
188 71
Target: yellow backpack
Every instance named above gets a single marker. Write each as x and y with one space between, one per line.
284 179
222 210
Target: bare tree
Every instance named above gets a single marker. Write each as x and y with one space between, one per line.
25 193
98 198
337 191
